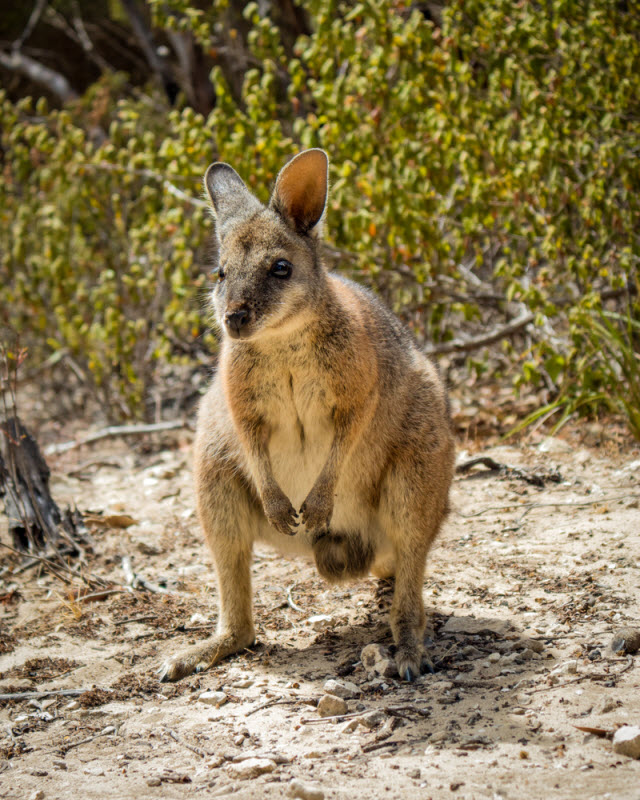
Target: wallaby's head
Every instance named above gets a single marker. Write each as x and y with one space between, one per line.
269 271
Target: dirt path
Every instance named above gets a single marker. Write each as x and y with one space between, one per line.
547 574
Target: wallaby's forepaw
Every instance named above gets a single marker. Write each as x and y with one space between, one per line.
279 511
203 656
317 509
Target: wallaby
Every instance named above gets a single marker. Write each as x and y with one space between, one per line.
325 432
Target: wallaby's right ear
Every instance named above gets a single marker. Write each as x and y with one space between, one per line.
230 198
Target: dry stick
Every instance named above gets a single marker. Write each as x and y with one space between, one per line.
464 345
115 430
594 676
39 695
105 732
269 703
197 750
136 581
290 601
529 506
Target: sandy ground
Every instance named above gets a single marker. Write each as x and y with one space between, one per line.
525 589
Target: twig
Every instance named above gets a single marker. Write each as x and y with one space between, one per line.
197 750
145 618
136 581
115 430
290 601
465 345
529 506
105 732
269 703
40 695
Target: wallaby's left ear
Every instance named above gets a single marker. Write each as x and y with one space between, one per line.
300 194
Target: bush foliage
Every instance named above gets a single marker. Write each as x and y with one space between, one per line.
491 155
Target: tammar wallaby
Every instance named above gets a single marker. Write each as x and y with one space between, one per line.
325 432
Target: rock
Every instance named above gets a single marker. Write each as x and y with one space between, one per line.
533 644
319 622
216 699
494 658
344 689
377 661
37 795
251 768
568 668
332 706
554 445
154 782
626 741
350 726
414 773
373 719
626 641
305 791
476 626
74 705
608 704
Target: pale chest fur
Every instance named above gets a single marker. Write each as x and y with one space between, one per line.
299 417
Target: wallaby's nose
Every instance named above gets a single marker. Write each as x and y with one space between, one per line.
236 319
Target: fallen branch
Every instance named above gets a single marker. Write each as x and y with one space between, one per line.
40 695
466 345
54 81
530 506
136 581
104 732
113 431
197 750
290 601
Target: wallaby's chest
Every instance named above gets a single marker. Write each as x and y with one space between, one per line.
299 416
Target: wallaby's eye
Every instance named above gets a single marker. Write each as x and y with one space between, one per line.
220 273
281 268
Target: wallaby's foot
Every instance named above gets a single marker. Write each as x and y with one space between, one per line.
317 509
279 511
409 660
203 656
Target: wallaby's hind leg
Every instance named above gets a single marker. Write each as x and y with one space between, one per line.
227 516
413 521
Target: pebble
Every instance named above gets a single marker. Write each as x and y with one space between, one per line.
74 705
376 661
154 782
305 791
626 741
626 641
350 726
37 795
494 657
216 699
251 768
344 689
608 704
332 706
568 668
373 719
319 622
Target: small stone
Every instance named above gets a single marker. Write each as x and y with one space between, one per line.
344 689
626 741
332 706
251 768
626 641
439 736
373 719
476 626
216 699
37 795
59 764
154 782
74 705
350 726
414 773
554 445
376 661
608 704
305 791
494 658
533 644
319 622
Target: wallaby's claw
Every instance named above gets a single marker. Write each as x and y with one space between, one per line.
279 511
427 665
409 676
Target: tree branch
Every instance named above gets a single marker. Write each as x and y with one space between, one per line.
465 345
54 81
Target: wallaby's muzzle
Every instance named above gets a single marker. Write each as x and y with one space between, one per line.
236 321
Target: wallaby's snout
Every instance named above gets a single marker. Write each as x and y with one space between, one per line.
237 321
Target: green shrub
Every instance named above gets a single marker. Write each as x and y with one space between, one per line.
499 150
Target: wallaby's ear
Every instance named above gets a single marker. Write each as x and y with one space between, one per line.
300 194
230 198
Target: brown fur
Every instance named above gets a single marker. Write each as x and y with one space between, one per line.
325 432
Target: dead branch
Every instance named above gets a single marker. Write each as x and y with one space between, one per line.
113 431
466 345
39 695
52 80
33 20
197 750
